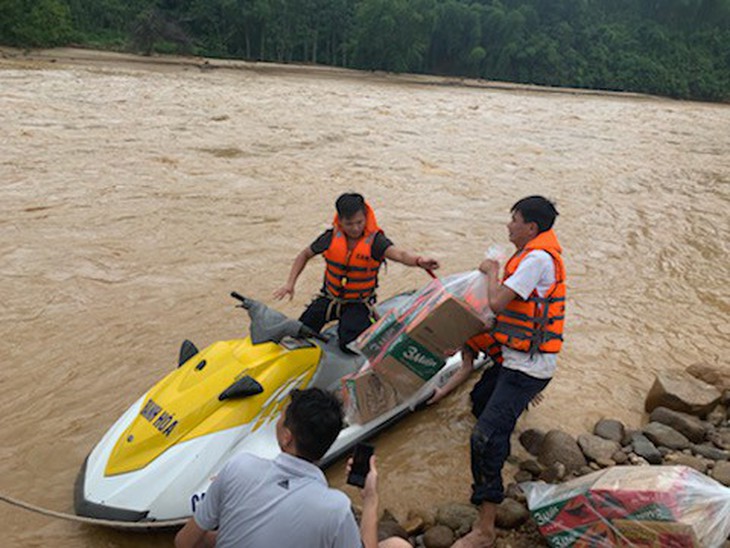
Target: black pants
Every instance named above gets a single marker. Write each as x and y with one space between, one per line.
498 400
354 318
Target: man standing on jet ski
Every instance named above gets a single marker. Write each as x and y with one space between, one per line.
353 249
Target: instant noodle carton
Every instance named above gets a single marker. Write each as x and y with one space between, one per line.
407 365
408 345
373 342
561 517
597 534
446 326
637 496
643 506
654 534
408 348
366 395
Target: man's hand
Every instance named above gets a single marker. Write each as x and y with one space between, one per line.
369 518
427 263
437 396
370 491
489 266
283 291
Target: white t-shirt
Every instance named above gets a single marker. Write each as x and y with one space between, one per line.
535 271
282 503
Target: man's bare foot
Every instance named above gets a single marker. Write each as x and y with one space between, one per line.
475 539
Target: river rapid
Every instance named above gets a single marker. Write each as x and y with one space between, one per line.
135 195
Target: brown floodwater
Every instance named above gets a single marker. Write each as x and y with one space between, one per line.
135 196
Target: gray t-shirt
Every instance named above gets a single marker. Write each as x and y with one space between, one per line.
260 503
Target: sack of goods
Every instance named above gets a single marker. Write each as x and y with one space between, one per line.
632 506
407 346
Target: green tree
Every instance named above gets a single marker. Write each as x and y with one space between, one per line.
392 34
33 23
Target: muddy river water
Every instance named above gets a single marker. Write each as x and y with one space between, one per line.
134 197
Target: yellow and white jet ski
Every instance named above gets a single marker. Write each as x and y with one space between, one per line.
157 461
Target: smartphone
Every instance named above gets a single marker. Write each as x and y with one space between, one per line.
360 464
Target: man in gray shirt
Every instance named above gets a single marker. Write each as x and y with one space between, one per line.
286 503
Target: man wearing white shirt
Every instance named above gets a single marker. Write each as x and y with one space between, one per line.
529 303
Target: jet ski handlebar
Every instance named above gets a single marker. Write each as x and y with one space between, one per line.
304 330
245 303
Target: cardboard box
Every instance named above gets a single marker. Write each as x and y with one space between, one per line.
595 535
407 365
367 396
375 340
408 347
576 513
654 534
446 326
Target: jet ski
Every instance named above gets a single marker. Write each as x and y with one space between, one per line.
156 462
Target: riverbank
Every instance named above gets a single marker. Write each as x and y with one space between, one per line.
40 58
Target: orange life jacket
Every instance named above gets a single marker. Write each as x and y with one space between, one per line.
535 324
352 274
485 342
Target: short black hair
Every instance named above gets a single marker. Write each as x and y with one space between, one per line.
314 418
349 204
538 210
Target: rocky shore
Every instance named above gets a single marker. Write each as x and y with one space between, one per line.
687 423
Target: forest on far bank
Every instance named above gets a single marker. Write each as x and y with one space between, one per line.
675 48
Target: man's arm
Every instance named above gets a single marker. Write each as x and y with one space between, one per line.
300 262
499 294
465 370
193 536
369 518
409 259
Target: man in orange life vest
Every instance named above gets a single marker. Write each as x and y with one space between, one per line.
353 249
523 344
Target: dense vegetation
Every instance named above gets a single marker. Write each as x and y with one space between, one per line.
678 48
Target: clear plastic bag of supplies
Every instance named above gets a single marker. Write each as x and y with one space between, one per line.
633 506
408 345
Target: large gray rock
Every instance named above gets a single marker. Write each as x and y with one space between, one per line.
457 516
439 536
710 452
511 514
687 460
645 449
531 440
688 425
717 416
721 472
531 466
717 376
661 434
720 438
597 448
561 447
388 526
681 391
610 429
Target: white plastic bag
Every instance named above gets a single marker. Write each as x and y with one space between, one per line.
633 506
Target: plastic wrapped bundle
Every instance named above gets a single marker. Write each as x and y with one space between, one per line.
633 506
408 345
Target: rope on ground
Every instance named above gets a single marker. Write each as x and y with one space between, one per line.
126 525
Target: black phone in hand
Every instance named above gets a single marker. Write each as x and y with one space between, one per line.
360 464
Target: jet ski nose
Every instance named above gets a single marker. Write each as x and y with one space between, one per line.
84 507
